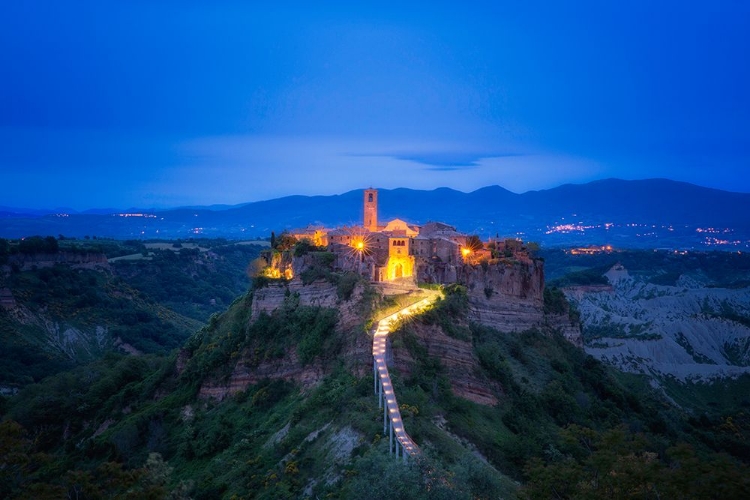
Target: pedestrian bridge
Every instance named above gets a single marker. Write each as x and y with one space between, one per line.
392 423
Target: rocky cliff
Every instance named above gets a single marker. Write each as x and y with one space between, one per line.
355 345
506 295
457 358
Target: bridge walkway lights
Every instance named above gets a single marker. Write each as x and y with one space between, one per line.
392 422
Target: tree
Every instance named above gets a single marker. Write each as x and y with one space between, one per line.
474 243
533 247
37 244
285 241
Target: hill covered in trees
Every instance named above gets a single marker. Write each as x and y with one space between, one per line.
67 302
279 404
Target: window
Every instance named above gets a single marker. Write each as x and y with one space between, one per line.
369 198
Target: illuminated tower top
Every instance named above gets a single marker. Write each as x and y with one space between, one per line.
371 210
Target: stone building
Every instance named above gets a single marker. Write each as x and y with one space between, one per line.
396 249
316 235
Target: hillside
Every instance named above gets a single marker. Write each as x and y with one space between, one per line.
64 316
634 214
196 278
274 399
64 303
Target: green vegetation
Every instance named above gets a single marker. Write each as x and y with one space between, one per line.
722 269
608 329
619 464
586 277
554 301
568 422
448 311
69 314
75 315
565 426
192 282
37 244
320 268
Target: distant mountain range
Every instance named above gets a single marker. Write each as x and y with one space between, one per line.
635 214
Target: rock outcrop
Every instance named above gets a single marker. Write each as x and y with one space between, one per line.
356 348
507 296
458 359
246 372
76 260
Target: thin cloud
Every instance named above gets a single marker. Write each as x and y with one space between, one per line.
450 160
444 161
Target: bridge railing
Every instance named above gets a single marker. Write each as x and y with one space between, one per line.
399 442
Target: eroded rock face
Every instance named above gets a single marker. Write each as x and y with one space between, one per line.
356 348
505 296
319 293
246 372
519 279
567 328
268 299
687 331
75 342
458 359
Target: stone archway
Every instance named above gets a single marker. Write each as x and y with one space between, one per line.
399 271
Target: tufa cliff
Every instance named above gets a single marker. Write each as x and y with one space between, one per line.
338 308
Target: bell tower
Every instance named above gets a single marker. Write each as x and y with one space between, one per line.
371 210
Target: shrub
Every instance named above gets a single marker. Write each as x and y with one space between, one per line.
555 301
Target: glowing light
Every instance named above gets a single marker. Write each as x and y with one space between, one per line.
359 243
465 251
272 272
399 266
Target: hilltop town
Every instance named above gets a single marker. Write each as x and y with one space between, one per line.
397 251
504 281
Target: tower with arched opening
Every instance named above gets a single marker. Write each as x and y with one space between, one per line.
371 210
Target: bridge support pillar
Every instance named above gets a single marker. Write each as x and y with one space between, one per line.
390 440
380 393
385 419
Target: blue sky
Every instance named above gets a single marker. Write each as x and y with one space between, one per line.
155 104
